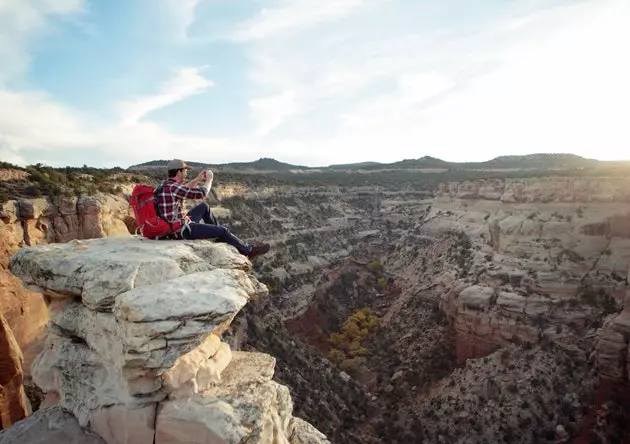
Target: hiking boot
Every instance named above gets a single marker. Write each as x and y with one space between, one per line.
258 250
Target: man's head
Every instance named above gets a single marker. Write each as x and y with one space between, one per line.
177 169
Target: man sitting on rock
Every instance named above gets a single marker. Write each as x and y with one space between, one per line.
169 198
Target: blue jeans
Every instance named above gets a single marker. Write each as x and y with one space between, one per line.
211 229
203 212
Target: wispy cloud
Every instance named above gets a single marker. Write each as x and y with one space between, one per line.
35 128
333 82
296 16
20 21
549 78
187 82
181 16
31 119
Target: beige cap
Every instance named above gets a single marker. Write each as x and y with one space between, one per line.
176 164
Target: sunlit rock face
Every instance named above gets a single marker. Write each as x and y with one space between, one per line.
134 347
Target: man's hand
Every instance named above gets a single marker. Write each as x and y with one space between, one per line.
206 182
195 182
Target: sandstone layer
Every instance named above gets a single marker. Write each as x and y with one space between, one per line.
549 257
13 403
40 221
613 346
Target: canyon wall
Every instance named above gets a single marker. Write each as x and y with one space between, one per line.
41 221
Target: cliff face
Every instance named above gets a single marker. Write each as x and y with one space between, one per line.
37 221
547 254
134 349
543 190
534 263
41 221
13 403
613 346
508 261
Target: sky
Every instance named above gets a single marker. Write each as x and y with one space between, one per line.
311 82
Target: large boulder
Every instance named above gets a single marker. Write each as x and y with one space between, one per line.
134 346
53 425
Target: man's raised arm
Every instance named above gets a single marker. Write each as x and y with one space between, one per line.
198 187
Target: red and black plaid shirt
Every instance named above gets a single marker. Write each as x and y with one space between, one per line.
169 199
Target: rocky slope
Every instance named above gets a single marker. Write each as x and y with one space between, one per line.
507 262
557 255
514 395
134 349
561 241
481 266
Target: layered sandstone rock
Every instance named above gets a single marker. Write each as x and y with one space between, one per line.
542 189
26 314
54 425
554 253
13 403
40 221
550 225
60 219
612 350
134 348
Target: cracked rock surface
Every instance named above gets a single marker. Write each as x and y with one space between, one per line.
134 348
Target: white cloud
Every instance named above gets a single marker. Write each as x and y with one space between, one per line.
33 120
20 21
181 14
34 128
187 82
296 16
534 80
270 112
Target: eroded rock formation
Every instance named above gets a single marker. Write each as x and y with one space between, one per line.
60 219
40 221
613 349
134 348
548 256
54 425
13 403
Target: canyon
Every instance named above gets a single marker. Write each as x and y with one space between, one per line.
500 303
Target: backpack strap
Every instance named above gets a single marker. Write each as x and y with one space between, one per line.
157 191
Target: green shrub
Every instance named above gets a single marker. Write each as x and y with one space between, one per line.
33 191
356 329
375 265
381 283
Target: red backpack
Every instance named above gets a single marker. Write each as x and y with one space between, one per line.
144 207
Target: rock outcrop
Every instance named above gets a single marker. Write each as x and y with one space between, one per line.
40 221
134 348
613 346
543 190
26 314
60 219
13 403
545 257
54 425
